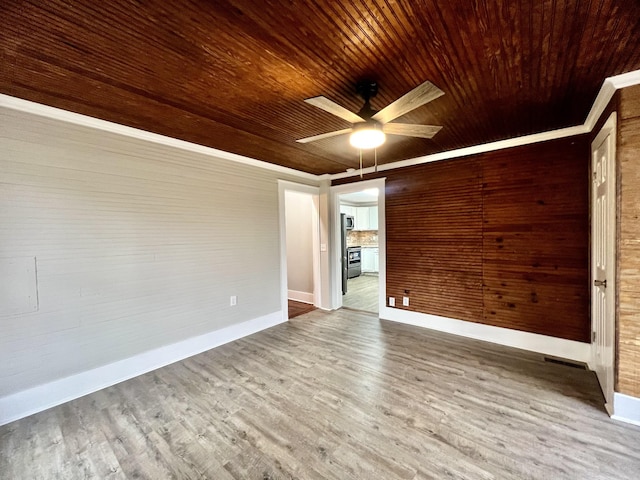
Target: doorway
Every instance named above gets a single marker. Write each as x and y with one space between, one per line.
359 245
359 242
603 256
300 259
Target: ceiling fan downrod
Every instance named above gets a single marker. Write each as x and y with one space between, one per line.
367 89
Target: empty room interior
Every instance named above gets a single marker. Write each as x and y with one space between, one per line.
320 240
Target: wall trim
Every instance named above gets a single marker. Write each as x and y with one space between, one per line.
473 150
41 110
625 80
335 245
318 274
609 86
33 400
605 95
304 297
534 342
608 89
626 408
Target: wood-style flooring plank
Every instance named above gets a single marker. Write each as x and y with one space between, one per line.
362 293
299 308
338 395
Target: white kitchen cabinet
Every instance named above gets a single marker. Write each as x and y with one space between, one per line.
362 218
370 260
373 218
367 260
346 209
365 218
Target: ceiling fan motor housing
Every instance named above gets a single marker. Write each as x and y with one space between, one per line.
367 89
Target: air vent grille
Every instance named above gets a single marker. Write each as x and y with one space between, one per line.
566 363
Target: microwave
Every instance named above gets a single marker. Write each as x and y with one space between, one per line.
349 222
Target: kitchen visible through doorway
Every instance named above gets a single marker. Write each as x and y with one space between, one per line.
360 250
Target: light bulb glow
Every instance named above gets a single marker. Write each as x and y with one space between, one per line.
367 137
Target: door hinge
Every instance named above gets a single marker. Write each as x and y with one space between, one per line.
593 337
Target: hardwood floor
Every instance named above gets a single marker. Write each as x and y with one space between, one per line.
299 308
362 293
337 395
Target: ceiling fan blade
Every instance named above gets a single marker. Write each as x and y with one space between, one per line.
332 107
410 130
323 136
417 97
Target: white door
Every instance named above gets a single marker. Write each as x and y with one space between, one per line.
603 237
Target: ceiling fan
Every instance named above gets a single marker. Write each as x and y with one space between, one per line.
371 126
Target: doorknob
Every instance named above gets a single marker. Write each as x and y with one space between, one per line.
600 283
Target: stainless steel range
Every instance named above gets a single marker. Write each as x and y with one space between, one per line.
354 262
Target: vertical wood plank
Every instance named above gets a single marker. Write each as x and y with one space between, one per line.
628 379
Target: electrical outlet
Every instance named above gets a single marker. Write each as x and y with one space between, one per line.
392 301
233 300
405 301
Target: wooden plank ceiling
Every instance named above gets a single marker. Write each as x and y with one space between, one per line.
233 74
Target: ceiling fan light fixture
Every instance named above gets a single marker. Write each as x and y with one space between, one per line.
367 135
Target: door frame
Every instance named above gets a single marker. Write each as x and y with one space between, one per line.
283 187
608 129
336 255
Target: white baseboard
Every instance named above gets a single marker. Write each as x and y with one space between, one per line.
42 397
303 297
626 408
557 347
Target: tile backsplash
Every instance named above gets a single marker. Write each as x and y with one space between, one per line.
365 238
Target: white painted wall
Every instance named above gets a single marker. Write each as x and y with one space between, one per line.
299 215
137 246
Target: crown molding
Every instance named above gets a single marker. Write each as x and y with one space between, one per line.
19 104
625 79
605 95
608 89
463 152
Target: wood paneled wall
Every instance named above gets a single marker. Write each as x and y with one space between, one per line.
434 237
499 238
628 380
535 238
